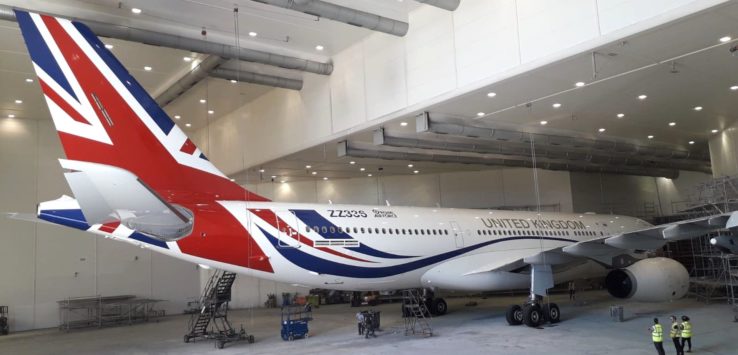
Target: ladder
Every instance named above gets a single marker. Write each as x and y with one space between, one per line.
214 311
415 314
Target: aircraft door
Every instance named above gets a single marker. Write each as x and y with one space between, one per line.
458 234
289 229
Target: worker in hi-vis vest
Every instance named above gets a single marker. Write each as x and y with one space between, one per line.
657 335
675 333
686 333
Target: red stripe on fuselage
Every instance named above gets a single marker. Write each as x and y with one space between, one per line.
188 147
51 94
270 217
217 234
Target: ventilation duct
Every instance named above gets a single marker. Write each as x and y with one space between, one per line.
189 80
343 14
450 5
256 78
543 149
192 45
359 150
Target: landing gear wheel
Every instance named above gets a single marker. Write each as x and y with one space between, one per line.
290 338
551 313
251 339
532 315
514 315
439 307
221 344
186 339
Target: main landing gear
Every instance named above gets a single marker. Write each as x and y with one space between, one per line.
533 313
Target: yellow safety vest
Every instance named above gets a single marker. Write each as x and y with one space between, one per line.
657 333
686 330
674 333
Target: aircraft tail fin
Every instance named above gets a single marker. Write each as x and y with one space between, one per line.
104 116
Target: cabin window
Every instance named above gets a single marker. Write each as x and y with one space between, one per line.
333 229
362 229
416 232
324 229
376 230
307 229
434 232
389 230
384 231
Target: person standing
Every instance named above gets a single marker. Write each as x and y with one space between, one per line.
360 322
572 291
686 333
675 334
657 335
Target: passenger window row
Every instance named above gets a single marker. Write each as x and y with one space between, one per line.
375 230
521 232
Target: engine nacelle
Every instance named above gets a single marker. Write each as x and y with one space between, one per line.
649 280
726 243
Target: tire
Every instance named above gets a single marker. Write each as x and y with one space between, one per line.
532 315
551 313
186 339
251 339
439 307
290 338
221 344
514 315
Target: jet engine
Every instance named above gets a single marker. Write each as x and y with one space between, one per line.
649 280
726 243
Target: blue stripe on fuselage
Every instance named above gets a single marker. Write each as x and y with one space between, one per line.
314 219
322 266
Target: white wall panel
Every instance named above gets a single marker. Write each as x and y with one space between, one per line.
486 39
385 74
549 26
348 191
616 14
431 66
348 105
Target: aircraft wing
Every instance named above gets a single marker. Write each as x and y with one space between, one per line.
651 238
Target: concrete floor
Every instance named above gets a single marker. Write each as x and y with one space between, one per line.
585 329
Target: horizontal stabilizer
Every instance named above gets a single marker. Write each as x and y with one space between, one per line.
107 193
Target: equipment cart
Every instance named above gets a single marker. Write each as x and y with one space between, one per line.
295 322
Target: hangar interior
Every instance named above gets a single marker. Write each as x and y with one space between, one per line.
604 106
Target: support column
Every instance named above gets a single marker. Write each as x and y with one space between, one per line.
724 152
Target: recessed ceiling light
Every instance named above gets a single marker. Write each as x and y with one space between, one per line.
650 137
491 94
108 46
253 34
734 87
410 165
19 101
210 112
543 123
233 179
621 115
188 124
556 105
691 142
601 130
642 97
136 10
579 84
325 178
714 131
308 166
362 169
274 176
416 171
176 117
187 59
261 170
29 80
403 123
147 68
233 81
698 108
480 114
314 173
202 101
352 162
319 47
725 39
369 175
282 181
11 116
672 124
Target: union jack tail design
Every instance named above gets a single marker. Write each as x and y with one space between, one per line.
104 116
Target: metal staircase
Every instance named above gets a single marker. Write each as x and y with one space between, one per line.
214 313
415 313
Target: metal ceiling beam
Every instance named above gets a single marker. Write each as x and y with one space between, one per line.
450 5
192 45
343 14
189 80
358 150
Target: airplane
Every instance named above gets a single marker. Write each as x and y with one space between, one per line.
137 178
